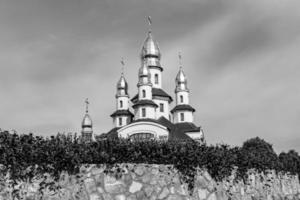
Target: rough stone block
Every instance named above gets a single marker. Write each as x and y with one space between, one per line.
131 197
113 186
107 196
174 197
120 197
148 190
139 170
90 185
164 193
140 195
202 193
146 178
95 196
135 186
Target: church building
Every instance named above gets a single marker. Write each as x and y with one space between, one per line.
148 114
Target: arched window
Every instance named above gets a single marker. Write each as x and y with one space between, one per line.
182 117
144 93
156 78
143 112
181 99
121 104
120 121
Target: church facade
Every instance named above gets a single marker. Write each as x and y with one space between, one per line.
148 114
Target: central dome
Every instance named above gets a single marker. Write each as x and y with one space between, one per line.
150 48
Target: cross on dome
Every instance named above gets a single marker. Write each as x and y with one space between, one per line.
86 105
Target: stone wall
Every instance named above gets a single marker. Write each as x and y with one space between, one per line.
142 182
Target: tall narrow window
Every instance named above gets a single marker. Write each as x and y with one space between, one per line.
161 107
182 117
156 78
181 99
143 112
121 104
120 121
144 93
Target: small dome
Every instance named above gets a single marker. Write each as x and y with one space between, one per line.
181 78
122 85
144 74
150 48
144 70
87 121
181 81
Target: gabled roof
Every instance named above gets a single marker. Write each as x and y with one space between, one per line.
155 92
121 112
183 107
145 102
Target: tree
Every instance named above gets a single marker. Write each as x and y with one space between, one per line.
290 161
257 154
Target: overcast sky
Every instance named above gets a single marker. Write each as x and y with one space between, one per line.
242 60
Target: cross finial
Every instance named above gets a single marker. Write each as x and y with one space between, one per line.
180 59
87 105
123 65
149 23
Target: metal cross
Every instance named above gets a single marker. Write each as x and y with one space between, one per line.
87 105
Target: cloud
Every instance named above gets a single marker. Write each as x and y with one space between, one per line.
240 58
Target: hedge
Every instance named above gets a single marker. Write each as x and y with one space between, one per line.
27 156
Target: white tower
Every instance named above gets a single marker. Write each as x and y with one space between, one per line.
150 54
87 125
182 112
144 107
122 116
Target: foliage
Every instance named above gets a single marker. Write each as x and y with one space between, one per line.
26 156
257 154
290 161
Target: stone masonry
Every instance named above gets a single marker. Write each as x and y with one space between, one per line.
150 182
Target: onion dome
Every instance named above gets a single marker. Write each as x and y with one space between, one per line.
144 74
181 81
150 48
122 86
87 121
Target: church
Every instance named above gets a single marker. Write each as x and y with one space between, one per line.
148 114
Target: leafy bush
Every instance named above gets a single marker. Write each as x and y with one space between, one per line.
28 156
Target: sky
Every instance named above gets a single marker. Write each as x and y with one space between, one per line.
241 59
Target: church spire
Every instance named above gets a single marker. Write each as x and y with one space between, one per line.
87 124
122 85
181 80
150 47
122 116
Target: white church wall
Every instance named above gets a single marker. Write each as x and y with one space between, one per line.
165 112
148 90
188 116
185 96
125 103
154 71
150 112
157 130
124 120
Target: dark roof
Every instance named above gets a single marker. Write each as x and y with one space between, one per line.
121 112
155 66
155 92
112 134
177 131
145 102
183 107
